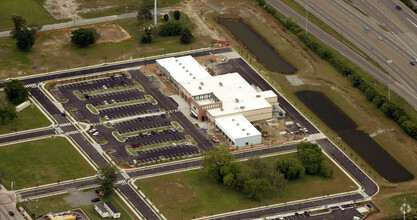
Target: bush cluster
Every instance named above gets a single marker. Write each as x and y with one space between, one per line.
389 108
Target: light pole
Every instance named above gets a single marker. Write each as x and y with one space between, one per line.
155 13
389 78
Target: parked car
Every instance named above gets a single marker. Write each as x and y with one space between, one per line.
367 28
11 213
412 63
96 133
105 102
139 118
398 7
97 103
95 200
86 96
104 87
113 101
93 130
163 116
106 117
137 145
112 77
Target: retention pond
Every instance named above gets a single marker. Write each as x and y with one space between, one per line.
258 46
359 141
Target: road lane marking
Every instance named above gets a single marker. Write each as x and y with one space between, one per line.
412 22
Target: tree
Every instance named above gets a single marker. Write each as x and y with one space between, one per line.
177 15
144 13
106 179
290 167
166 17
146 38
171 28
25 39
84 36
16 91
186 36
217 162
311 157
19 24
7 112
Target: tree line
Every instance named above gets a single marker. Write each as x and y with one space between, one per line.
388 107
258 179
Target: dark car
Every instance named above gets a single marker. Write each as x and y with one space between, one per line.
398 7
412 63
306 213
139 118
86 96
11 213
297 215
112 77
95 200
163 116
148 118
167 123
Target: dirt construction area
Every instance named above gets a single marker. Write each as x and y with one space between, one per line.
108 32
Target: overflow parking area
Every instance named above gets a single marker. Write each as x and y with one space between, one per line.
125 118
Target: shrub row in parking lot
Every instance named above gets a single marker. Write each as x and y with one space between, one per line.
388 107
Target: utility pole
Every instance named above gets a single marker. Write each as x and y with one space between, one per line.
389 78
155 12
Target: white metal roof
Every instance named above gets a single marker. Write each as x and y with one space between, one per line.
236 127
183 68
236 94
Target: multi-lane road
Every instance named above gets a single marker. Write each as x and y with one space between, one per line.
379 29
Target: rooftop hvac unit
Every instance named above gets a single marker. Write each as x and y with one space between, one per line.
193 77
258 96
248 134
200 87
236 100
242 107
221 109
201 83
186 71
183 67
176 60
233 119
179 64
220 84
237 124
243 129
191 74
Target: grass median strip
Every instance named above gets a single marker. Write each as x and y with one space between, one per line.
134 151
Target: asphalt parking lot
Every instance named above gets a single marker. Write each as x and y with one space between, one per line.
153 119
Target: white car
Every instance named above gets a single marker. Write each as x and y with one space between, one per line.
96 133
105 102
106 117
113 101
104 87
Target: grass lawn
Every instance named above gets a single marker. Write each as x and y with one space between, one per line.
192 194
41 162
29 118
113 7
31 10
57 203
52 51
392 204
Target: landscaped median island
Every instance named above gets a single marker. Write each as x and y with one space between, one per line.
193 194
40 162
134 151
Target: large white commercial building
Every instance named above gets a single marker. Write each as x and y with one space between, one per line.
238 130
180 69
227 95
227 101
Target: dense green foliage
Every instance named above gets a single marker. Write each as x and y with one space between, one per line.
84 36
290 167
16 92
24 35
7 112
390 109
166 17
186 36
258 179
107 178
171 28
409 4
177 15
144 13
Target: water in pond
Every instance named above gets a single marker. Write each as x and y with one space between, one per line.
359 141
264 52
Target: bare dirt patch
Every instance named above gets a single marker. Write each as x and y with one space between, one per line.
62 9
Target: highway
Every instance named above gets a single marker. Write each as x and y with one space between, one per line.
396 44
